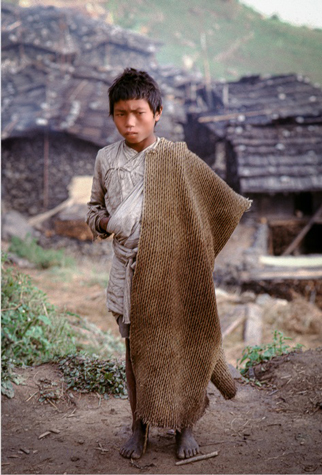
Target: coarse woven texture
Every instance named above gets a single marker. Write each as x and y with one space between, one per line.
188 215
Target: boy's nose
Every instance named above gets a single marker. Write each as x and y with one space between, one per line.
130 120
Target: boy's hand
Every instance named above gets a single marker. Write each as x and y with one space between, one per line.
103 223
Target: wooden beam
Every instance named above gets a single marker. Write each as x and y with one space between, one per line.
278 275
302 234
232 115
36 220
233 326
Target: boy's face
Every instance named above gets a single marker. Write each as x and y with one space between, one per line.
135 122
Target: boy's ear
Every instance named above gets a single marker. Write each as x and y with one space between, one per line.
158 114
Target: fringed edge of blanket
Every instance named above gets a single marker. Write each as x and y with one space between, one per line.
172 424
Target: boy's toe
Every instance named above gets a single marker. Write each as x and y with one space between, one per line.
135 455
126 452
181 453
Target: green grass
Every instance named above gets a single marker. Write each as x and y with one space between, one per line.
240 41
42 258
86 374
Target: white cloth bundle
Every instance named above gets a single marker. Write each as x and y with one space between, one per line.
126 225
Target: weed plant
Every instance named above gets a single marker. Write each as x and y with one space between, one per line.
34 332
85 374
42 258
253 355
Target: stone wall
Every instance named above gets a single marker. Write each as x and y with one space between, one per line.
23 170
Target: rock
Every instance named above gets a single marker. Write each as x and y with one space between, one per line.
20 261
248 296
234 372
16 224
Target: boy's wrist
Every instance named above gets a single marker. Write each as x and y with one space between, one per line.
103 223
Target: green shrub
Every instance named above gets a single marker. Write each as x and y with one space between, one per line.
32 331
42 258
253 355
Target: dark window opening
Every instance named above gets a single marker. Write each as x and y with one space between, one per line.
303 202
282 235
312 243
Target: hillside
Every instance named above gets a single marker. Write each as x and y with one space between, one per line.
239 40
231 38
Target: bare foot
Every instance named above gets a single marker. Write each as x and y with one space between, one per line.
135 445
186 444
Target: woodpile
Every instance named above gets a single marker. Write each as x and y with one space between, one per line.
23 166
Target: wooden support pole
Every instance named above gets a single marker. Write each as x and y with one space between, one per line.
46 170
302 234
253 325
203 42
234 325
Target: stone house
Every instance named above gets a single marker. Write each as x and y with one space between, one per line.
264 137
57 65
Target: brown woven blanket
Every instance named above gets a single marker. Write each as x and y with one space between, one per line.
189 214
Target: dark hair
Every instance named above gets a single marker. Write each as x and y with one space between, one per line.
133 84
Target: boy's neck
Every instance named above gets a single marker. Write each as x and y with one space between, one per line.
139 147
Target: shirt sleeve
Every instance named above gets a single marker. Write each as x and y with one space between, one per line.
96 206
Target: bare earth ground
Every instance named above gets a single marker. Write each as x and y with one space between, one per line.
273 430
276 429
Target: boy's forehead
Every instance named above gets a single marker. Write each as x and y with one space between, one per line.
131 104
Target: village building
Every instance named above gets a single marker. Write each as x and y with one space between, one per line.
57 65
263 135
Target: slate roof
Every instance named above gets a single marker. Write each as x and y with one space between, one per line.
285 158
274 126
57 65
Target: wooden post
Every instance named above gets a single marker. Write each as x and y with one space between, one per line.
254 324
302 234
203 42
46 170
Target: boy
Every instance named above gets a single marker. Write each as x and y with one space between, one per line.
170 215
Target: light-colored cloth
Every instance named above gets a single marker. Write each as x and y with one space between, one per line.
117 171
125 224
117 192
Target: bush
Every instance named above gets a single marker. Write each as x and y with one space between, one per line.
32 331
42 258
253 355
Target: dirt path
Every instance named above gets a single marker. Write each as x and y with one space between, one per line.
273 430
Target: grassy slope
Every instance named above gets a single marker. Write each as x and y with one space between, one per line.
239 40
